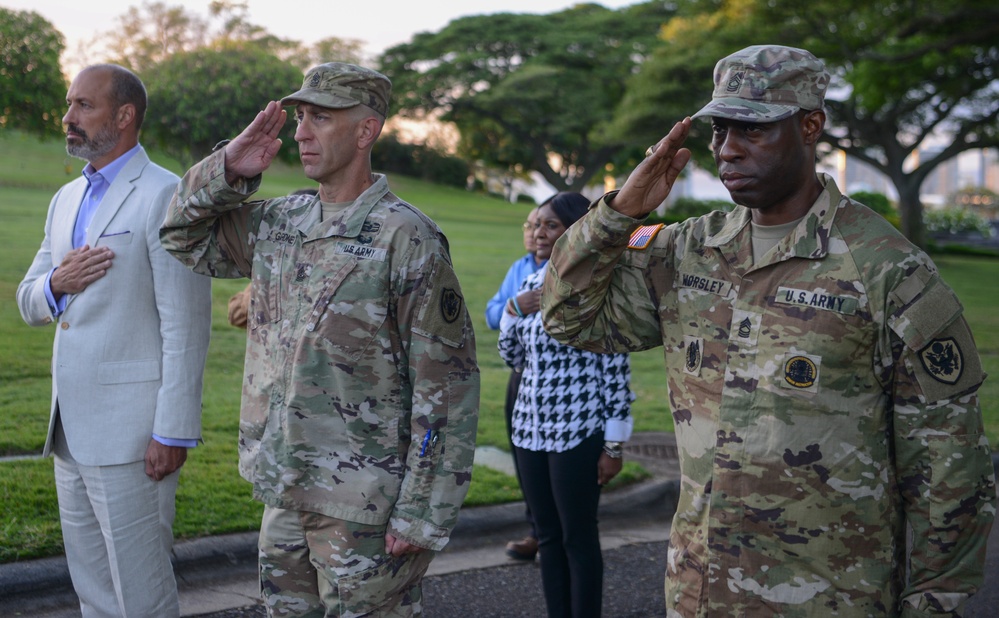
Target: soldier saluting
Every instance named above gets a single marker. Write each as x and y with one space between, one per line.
361 389
823 380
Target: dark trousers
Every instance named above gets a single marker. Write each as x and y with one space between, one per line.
512 386
562 491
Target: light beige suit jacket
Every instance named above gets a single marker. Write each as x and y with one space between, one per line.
129 352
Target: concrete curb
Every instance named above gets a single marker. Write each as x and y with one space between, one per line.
50 576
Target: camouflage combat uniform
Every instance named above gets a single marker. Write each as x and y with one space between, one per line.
822 398
360 393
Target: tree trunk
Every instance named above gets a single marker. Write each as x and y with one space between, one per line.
553 177
578 184
911 209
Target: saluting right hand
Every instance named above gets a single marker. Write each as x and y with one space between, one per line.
252 151
653 179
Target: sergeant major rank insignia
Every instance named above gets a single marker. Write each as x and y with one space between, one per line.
942 360
734 82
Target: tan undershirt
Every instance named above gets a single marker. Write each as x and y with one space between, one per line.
766 237
330 209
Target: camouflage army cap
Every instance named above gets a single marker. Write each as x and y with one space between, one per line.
338 85
766 83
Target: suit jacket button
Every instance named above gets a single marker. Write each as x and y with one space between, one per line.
64 325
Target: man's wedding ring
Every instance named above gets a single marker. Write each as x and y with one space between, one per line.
650 150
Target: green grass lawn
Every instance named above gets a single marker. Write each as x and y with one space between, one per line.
485 238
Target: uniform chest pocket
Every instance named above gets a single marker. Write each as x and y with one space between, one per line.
818 320
349 311
265 297
816 342
702 306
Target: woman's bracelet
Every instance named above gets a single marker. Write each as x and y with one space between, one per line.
516 307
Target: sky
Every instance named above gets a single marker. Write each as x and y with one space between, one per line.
387 23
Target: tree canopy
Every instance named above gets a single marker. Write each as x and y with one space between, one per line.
151 33
208 77
905 75
32 88
528 91
200 97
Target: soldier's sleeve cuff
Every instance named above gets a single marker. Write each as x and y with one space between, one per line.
421 533
616 226
221 190
618 430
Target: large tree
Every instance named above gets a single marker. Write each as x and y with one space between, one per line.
905 74
208 76
200 97
148 34
540 85
32 88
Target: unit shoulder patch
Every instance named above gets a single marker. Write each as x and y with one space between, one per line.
450 304
442 315
942 360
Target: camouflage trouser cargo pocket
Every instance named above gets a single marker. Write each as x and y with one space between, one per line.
313 566
390 589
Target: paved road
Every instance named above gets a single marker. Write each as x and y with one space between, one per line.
633 588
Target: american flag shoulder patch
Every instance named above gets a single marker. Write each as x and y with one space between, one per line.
643 236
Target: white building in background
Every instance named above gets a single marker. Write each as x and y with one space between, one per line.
853 176
973 168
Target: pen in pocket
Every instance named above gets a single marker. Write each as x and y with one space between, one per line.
426 441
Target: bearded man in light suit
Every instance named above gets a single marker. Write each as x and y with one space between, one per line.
132 330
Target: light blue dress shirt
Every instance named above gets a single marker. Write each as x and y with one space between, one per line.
98 183
508 289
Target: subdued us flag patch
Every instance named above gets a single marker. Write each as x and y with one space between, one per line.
643 236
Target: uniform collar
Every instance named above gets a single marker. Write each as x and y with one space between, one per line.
809 239
348 222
